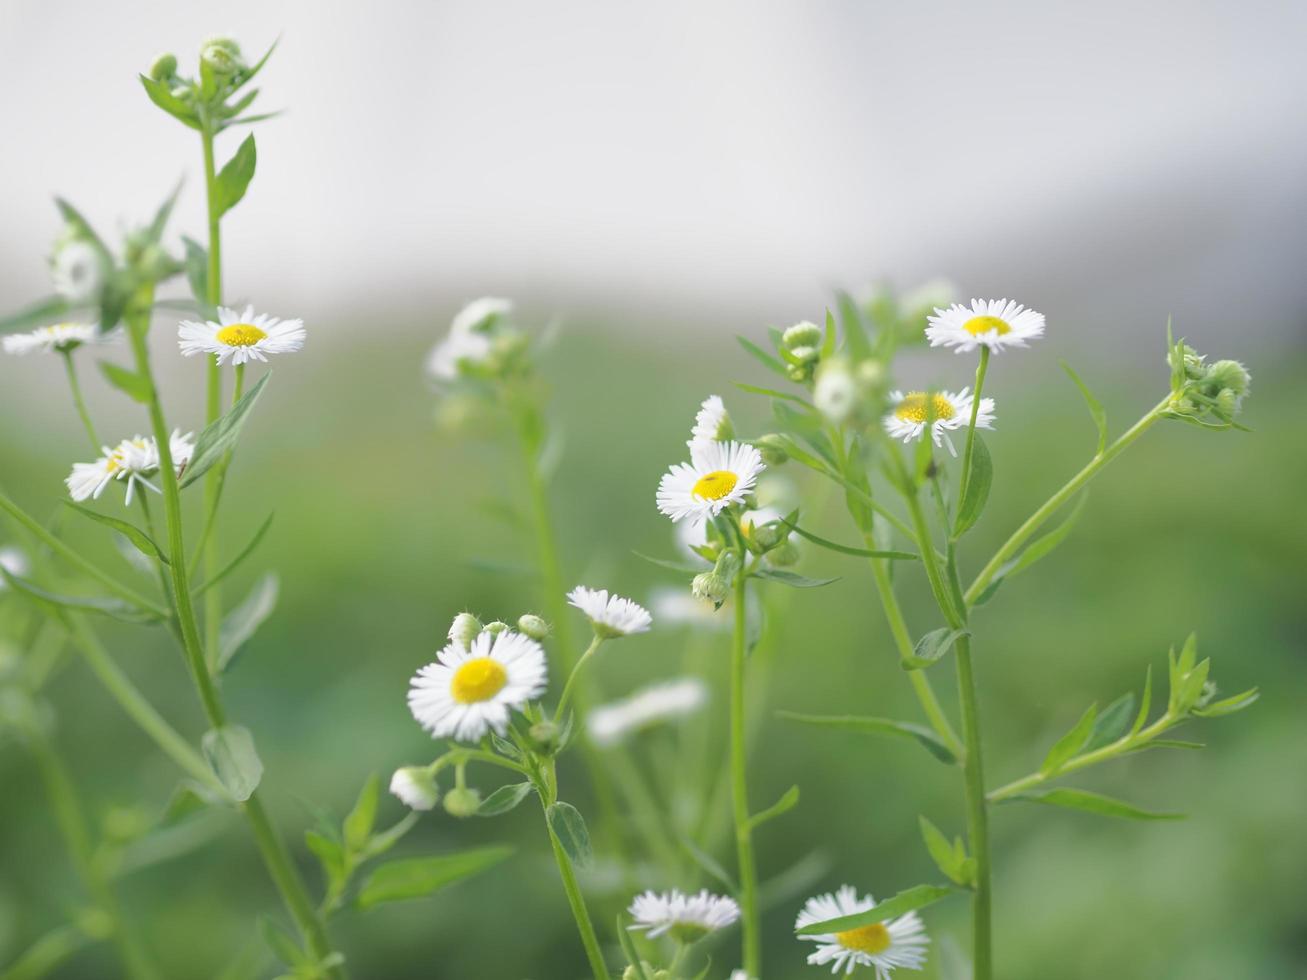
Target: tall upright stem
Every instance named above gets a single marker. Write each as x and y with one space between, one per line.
80 402
752 937
977 814
273 850
213 400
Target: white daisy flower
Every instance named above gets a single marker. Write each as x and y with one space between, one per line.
131 461
454 352
58 337
884 946
611 616
13 561
415 788
836 392
992 323
719 474
675 606
469 691
78 272
909 413
687 918
712 423
610 723
241 337
479 314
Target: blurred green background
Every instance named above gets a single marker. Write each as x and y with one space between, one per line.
381 536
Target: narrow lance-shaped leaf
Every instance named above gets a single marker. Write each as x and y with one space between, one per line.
878 726
946 857
1111 724
932 647
131 384
162 96
357 827
397 881
504 799
792 579
769 362
243 621
240 557
786 803
197 269
235 176
978 484
115 608
569 827
1079 799
231 754
843 549
220 436
142 541
1070 743
905 901
1096 409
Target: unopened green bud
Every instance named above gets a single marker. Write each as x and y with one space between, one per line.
799 372
710 587
533 626
806 354
1228 403
164 67
647 970
415 787
784 554
773 449
497 627
464 629
805 334
547 736
1189 360
1231 375
222 55
870 373
767 536
463 802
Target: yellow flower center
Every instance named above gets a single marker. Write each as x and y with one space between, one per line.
984 324
914 407
715 485
874 938
240 335
479 679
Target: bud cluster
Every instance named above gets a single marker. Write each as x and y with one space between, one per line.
1200 390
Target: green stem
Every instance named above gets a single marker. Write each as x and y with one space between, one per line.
213 480
1054 503
78 400
68 812
977 814
545 781
752 937
276 859
965 479
935 574
561 710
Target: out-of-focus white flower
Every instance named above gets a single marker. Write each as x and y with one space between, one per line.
415 788
719 474
58 338
944 411
611 616
480 314
241 337
993 323
455 352
78 272
686 918
883 946
610 723
14 561
836 392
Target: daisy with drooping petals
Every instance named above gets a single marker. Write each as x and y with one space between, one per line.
470 691
610 723
611 616
414 787
58 338
883 946
479 314
460 348
712 423
992 323
241 337
132 460
78 271
719 474
945 411
686 918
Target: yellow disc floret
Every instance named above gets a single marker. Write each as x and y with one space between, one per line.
874 938
240 335
986 324
715 485
479 679
915 408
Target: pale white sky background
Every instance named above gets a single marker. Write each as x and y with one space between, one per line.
716 164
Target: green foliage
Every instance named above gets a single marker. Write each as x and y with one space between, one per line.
231 755
784 805
932 647
908 900
930 741
131 384
410 878
950 858
234 178
244 620
567 824
139 539
220 436
978 484
1079 799
504 799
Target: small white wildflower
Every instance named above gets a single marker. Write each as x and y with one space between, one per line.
883 946
459 350
14 561
470 691
610 723
909 414
78 272
611 616
479 314
719 474
241 337
414 787
994 323
836 391
131 461
57 338
712 423
686 918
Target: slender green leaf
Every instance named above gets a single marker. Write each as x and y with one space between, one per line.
773 393
949 858
34 315
240 557
1079 799
282 943
220 435
409 878
235 177
115 608
162 96
357 828
978 484
784 805
388 838
861 725
1071 743
684 567
855 334
242 622
846 549
637 971
769 362
1111 724
1145 702
330 854
142 541
1228 706
568 826
131 384
49 952
828 341
709 864
792 579
1096 409
932 647
1040 547
231 754
197 269
504 799
905 901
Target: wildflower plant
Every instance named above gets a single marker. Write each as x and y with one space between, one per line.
878 444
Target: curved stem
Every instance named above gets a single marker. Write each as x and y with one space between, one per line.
977 814
1036 520
752 938
80 402
576 671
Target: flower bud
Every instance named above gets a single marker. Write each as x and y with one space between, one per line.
164 68
415 787
533 626
767 536
547 736
648 970
1188 360
784 554
773 449
1231 375
836 393
805 353
464 629
78 270
805 334
710 587
798 373
222 56
870 373
497 627
463 802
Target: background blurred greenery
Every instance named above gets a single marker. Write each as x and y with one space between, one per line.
379 538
